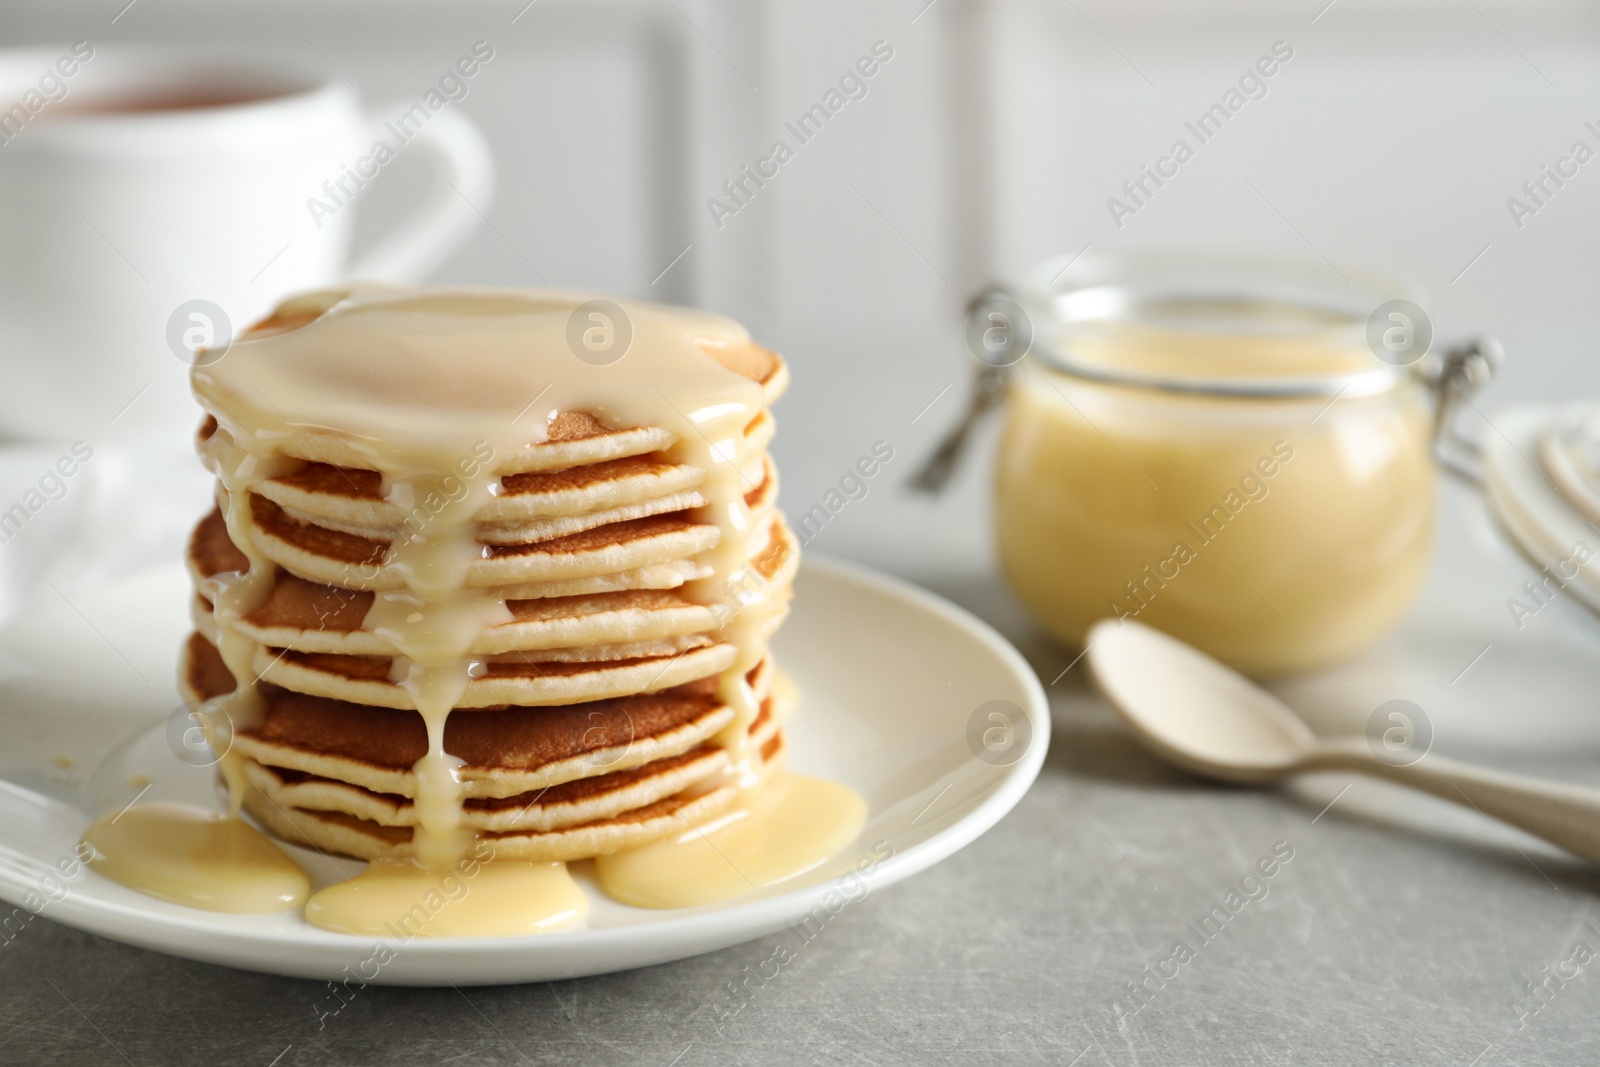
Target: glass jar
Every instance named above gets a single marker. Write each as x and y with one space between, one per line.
1238 452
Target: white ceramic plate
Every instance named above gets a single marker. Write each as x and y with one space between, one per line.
901 694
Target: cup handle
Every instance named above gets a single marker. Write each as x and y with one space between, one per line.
462 189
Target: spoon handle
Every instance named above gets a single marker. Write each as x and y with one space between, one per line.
1564 815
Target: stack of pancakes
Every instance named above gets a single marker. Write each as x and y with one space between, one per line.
591 722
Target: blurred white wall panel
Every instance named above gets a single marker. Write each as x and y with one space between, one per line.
992 139
1392 139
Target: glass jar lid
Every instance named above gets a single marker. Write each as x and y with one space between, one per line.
1225 325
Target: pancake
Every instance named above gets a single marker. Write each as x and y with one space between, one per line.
310 617
633 624
365 679
573 438
337 558
212 552
522 531
672 575
369 839
529 531
362 839
340 514
355 497
571 803
505 751
552 640
555 807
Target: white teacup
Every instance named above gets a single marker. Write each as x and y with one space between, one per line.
154 200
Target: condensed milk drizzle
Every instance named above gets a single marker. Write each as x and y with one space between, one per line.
235 595
432 621
481 375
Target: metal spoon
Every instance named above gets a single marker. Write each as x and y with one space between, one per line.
1214 722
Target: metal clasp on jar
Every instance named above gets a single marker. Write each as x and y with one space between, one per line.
1454 376
999 335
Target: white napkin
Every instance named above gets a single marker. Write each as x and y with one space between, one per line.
39 503
78 514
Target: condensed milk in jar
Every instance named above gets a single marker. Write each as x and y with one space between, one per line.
1238 452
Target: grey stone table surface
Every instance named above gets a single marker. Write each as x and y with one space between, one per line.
1394 928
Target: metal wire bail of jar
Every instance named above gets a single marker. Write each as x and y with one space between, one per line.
996 315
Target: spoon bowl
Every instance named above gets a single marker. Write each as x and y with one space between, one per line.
1195 712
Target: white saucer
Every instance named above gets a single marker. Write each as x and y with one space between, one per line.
1537 506
896 692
